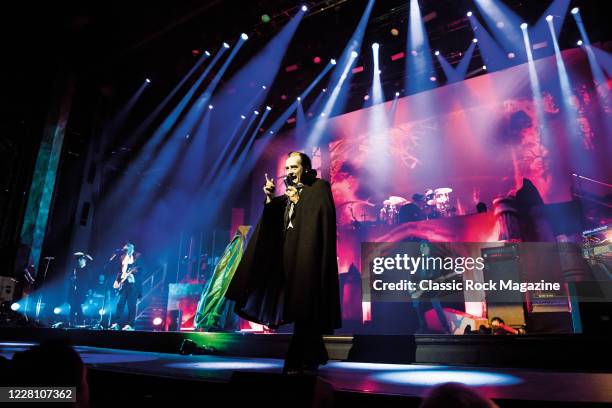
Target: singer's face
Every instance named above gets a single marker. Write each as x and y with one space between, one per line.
293 167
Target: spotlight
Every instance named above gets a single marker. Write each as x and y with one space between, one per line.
263 87
304 8
414 53
157 321
484 67
332 61
265 18
437 53
299 99
394 32
268 108
57 310
375 46
549 18
500 24
397 94
207 53
524 26
101 312
511 55
244 36
316 60
225 45
469 14
324 90
256 112
366 97
242 117
354 54
575 10
322 114
15 307
579 43
148 81
433 78
475 40
210 106
271 132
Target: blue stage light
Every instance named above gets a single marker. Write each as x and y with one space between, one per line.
575 10
148 81
207 53
437 53
549 18
244 36
57 310
475 40
304 8
332 61
263 87
524 26
375 46
225 45
397 94
579 43
268 108
354 54
484 67
242 117
298 99
15 307
256 112
210 106
469 14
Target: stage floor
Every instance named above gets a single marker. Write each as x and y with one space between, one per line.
410 380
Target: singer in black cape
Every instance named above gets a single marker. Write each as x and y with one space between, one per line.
290 275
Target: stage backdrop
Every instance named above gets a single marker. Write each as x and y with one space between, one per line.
480 137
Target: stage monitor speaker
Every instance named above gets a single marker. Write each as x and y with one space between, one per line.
502 263
277 390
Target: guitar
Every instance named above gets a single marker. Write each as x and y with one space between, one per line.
118 284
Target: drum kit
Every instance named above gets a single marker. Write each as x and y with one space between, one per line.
435 203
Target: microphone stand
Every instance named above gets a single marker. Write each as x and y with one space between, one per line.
40 296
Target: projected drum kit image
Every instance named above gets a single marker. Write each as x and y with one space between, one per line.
434 203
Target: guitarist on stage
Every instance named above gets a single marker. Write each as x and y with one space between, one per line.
128 285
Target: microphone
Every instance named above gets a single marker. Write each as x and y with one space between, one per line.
289 180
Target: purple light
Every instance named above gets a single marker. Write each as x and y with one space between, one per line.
435 377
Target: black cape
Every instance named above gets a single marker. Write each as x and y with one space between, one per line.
291 274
